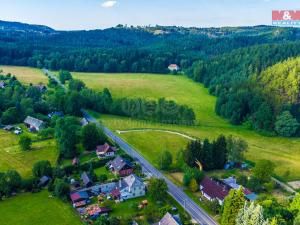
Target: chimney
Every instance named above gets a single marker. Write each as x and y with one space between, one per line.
120 183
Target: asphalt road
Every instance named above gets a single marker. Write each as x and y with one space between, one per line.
190 206
198 214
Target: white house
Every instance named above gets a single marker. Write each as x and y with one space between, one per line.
132 187
173 67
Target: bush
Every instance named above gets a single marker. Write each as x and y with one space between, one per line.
25 143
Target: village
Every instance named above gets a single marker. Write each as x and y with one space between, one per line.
101 181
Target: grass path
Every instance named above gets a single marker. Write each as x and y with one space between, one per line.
157 130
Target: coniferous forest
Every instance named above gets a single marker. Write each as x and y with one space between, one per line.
253 71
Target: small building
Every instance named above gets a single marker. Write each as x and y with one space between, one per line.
79 199
214 190
42 88
34 124
169 219
105 151
120 167
173 67
8 128
44 181
94 211
84 122
86 180
58 114
2 85
232 183
132 187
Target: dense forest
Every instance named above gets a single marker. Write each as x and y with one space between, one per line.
127 49
236 64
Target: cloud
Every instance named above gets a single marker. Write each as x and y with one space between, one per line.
109 4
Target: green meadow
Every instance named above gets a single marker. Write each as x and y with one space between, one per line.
12 157
26 75
284 152
37 209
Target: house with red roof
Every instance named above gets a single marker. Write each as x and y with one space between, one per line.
173 67
79 199
213 190
105 151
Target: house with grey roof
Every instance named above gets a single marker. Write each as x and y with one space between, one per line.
120 166
86 180
34 124
132 187
169 219
2 84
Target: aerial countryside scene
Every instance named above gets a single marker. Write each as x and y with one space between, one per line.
150 112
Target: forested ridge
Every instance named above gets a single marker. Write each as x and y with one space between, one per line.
235 63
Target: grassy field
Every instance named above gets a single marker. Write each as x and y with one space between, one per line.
11 157
26 75
284 152
37 209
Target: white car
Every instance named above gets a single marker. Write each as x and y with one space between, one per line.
18 132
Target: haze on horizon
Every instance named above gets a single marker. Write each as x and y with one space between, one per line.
95 14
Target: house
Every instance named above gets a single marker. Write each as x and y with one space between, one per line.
34 124
120 167
131 187
105 151
232 183
80 199
169 219
44 181
84 122
214 190
8 128
173 67
2 84
42 88
86 180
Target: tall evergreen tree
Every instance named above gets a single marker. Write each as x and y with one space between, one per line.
220 152
233 203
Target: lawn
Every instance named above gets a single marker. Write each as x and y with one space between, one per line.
284 152
37 209
11 157
151 143
26 75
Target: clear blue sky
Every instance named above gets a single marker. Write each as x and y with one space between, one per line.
91 14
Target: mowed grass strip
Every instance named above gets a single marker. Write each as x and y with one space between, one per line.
37 209
12 157
284 152
26 75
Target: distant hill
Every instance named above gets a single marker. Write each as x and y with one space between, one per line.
6 26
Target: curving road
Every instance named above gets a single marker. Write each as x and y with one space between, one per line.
198 214
190 206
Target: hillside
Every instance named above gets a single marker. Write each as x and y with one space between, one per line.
282 80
